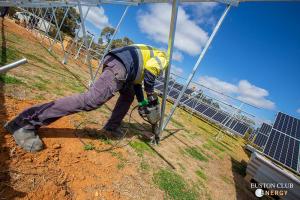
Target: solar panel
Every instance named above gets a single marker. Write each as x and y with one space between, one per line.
191 103
210 112
252 135
284 141
240 128
201 108
174 94
220 117
288 125
262 135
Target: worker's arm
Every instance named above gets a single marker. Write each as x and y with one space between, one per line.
149 81
153 69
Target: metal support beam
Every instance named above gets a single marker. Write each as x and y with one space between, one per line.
10 66
172 31
85 39
58 31
45 27
65 60
62 22
196 66
90 45
110 42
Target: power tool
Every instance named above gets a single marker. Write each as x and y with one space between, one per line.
151 114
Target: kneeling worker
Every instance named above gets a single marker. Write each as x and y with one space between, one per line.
124 70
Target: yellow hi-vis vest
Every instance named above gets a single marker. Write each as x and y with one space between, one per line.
152 59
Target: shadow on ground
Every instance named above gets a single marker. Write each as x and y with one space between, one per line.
242 187
6 190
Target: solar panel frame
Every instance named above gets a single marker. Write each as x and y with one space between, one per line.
283 144
262 135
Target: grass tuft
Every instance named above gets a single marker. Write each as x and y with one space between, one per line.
174 185
195 153
121 165
39 86
88 147
145 166
212 144
140 147
201 174
9 79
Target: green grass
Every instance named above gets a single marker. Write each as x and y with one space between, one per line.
38 59
9 79
177 123
140 147
76 86
39 86
195 153
8 55
201 174
88 147
212 144
174 185
105 140
144 166
121 165
122 160
39 97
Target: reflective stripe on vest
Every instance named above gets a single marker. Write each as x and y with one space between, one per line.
151 51
141 67
159 63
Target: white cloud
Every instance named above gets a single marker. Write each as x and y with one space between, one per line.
189 38
176 70
97 17
298 110
177 56
243 90
219 85
203 12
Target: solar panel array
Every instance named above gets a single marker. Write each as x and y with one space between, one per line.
193 102
263 134
283 143
252 135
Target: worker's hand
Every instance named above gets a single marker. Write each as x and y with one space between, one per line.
143 108
152 99
143 103
143 111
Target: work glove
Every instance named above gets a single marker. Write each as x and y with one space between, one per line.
143 111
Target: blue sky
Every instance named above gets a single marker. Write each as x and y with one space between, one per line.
255 56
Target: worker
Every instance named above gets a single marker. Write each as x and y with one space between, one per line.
124 71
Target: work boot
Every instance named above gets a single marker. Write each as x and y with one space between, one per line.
116 133
25 138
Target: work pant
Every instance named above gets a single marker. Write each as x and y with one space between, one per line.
111 81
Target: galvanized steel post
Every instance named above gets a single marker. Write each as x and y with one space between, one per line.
110 42
85 39
196 66
10 66
173 22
